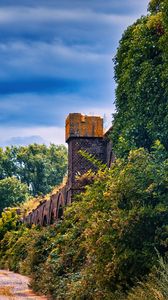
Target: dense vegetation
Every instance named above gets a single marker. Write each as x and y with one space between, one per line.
141 65
108 239
116 232
33 170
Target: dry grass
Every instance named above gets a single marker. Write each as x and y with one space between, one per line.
6 291
2 273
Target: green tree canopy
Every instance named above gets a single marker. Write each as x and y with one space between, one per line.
141 75
38 166
12 192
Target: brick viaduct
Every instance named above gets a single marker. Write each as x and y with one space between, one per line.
82 133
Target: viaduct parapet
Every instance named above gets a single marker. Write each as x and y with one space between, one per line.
81 133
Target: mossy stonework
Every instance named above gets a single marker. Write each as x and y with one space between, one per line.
81 133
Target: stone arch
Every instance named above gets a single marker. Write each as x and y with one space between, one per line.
44 220
52 217
60 206
60 212
37 220
30 219
53 209
44 217
36 217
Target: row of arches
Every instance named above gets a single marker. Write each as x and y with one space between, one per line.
49 212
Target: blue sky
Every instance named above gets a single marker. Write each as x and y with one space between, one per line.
56 58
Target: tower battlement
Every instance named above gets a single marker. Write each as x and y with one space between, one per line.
78 125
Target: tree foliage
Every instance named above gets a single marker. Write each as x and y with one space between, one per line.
12 192
141 65
9 221
38 166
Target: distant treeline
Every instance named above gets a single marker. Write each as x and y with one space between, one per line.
30 170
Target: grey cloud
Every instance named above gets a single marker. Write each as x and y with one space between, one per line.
48 110
23 141
101 5
71 26
43 59
46 14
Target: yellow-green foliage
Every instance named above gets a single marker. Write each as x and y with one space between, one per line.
154 21
108 237
9 221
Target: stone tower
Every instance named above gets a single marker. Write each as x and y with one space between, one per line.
83 133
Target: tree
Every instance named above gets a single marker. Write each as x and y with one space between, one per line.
12 192
38 166
42 167
141 75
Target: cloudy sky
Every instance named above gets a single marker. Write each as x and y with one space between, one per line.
56 58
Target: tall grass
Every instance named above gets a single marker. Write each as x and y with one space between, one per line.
156 286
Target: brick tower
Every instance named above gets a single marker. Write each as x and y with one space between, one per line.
83 133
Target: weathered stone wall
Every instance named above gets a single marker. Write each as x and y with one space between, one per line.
78 125
82 133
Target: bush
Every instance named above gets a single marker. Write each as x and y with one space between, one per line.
9 221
